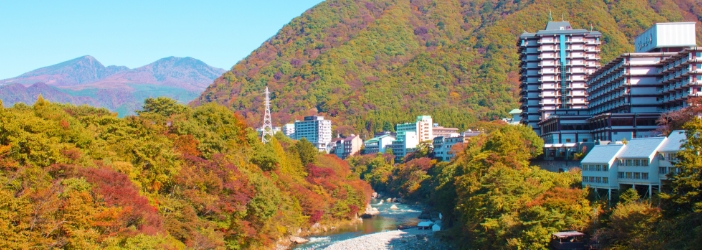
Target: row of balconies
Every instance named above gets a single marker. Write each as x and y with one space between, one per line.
680 85
682 62
678 97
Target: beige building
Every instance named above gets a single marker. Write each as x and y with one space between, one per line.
348 146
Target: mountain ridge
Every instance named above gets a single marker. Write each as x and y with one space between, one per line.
84 80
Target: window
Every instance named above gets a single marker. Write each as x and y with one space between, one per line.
644 176
662 170
644 163
636 163
637 175
598 180
629 163
605 168
621 175
598 168
592 179
605 180
628 175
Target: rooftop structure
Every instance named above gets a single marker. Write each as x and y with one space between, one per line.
666 37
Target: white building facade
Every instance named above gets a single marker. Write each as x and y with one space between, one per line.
640 164
378 144
316 130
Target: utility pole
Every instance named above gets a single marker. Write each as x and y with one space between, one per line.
267 129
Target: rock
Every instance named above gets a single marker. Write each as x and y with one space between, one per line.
388 200
393 207
316 225
374 195
299 230
298 240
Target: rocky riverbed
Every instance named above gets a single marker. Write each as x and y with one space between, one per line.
394 239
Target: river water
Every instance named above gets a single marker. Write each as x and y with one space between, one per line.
388 219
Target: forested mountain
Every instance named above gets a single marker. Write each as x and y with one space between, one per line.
85 80
78 177
371 64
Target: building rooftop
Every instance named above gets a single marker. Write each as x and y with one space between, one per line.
563 27
602 153
675 140
515 111
642 147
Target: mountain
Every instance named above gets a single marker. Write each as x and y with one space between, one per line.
84 69
14 93
183 72
371 64
85 80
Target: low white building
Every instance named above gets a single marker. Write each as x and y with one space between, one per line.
378 144
443 145
405 143
639 164
289 130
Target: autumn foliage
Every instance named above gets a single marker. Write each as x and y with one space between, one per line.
173 177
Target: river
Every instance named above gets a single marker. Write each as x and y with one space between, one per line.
388 219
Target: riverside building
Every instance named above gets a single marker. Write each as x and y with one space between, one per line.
641 164
316 130
629 93
554 63
624 97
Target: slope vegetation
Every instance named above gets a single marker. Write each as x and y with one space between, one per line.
371 64
170 178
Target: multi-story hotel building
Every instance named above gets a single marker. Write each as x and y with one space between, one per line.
554 63
628 94
316 130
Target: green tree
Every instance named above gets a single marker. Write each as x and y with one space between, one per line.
307 151
163 106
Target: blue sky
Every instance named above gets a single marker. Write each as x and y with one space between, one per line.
35 34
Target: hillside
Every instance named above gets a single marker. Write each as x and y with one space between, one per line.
371 64
85 80
76 177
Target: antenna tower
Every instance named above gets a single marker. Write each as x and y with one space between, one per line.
267 129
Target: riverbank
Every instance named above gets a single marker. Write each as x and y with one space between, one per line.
412 238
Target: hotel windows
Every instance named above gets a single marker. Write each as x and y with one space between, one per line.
637 175
644 176
598 180
629 163
621 175
605 180
628 175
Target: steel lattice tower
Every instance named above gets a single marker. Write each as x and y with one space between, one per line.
267 129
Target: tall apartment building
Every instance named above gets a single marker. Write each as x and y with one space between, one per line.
316 130
554 64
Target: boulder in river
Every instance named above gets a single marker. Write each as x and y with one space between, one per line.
298 240
388 200
393 207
